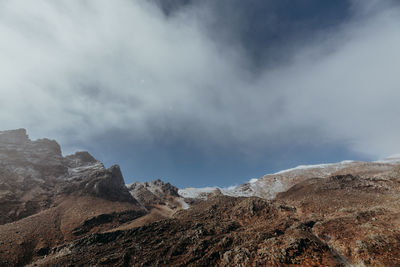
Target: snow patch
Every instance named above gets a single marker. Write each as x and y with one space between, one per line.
184 205
192 192
317 166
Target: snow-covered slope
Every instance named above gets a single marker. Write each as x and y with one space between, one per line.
270 185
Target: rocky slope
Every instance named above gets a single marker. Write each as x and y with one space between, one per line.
223 231
342 220
72 211
270 185
359 217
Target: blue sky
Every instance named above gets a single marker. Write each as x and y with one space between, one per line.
187 165
204 93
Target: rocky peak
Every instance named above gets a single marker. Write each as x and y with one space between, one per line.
19 140
18 136
34 173
34 160
47 146
156 187
108 184
79 159
154 192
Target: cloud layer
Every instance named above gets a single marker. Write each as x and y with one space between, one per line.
74 70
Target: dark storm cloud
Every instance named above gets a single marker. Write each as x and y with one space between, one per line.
265 29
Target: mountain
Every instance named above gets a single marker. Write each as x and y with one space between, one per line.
34 173
47 198
150 194
270 185
342 220
72 211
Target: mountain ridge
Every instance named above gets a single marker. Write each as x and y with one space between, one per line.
269 185
62 211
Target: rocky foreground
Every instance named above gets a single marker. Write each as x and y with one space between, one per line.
72 211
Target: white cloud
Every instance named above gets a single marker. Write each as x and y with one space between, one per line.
88 66
73 69
353 92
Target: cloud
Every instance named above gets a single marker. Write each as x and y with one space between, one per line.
73 70
352 92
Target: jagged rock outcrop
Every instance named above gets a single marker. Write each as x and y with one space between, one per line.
80 159
39 160
28 173
34 173
97 181
154 193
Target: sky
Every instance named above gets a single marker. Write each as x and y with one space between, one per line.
204 93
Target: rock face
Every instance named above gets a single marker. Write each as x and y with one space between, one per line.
155 193
40 160
97 181
45 196
28 172
33 173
